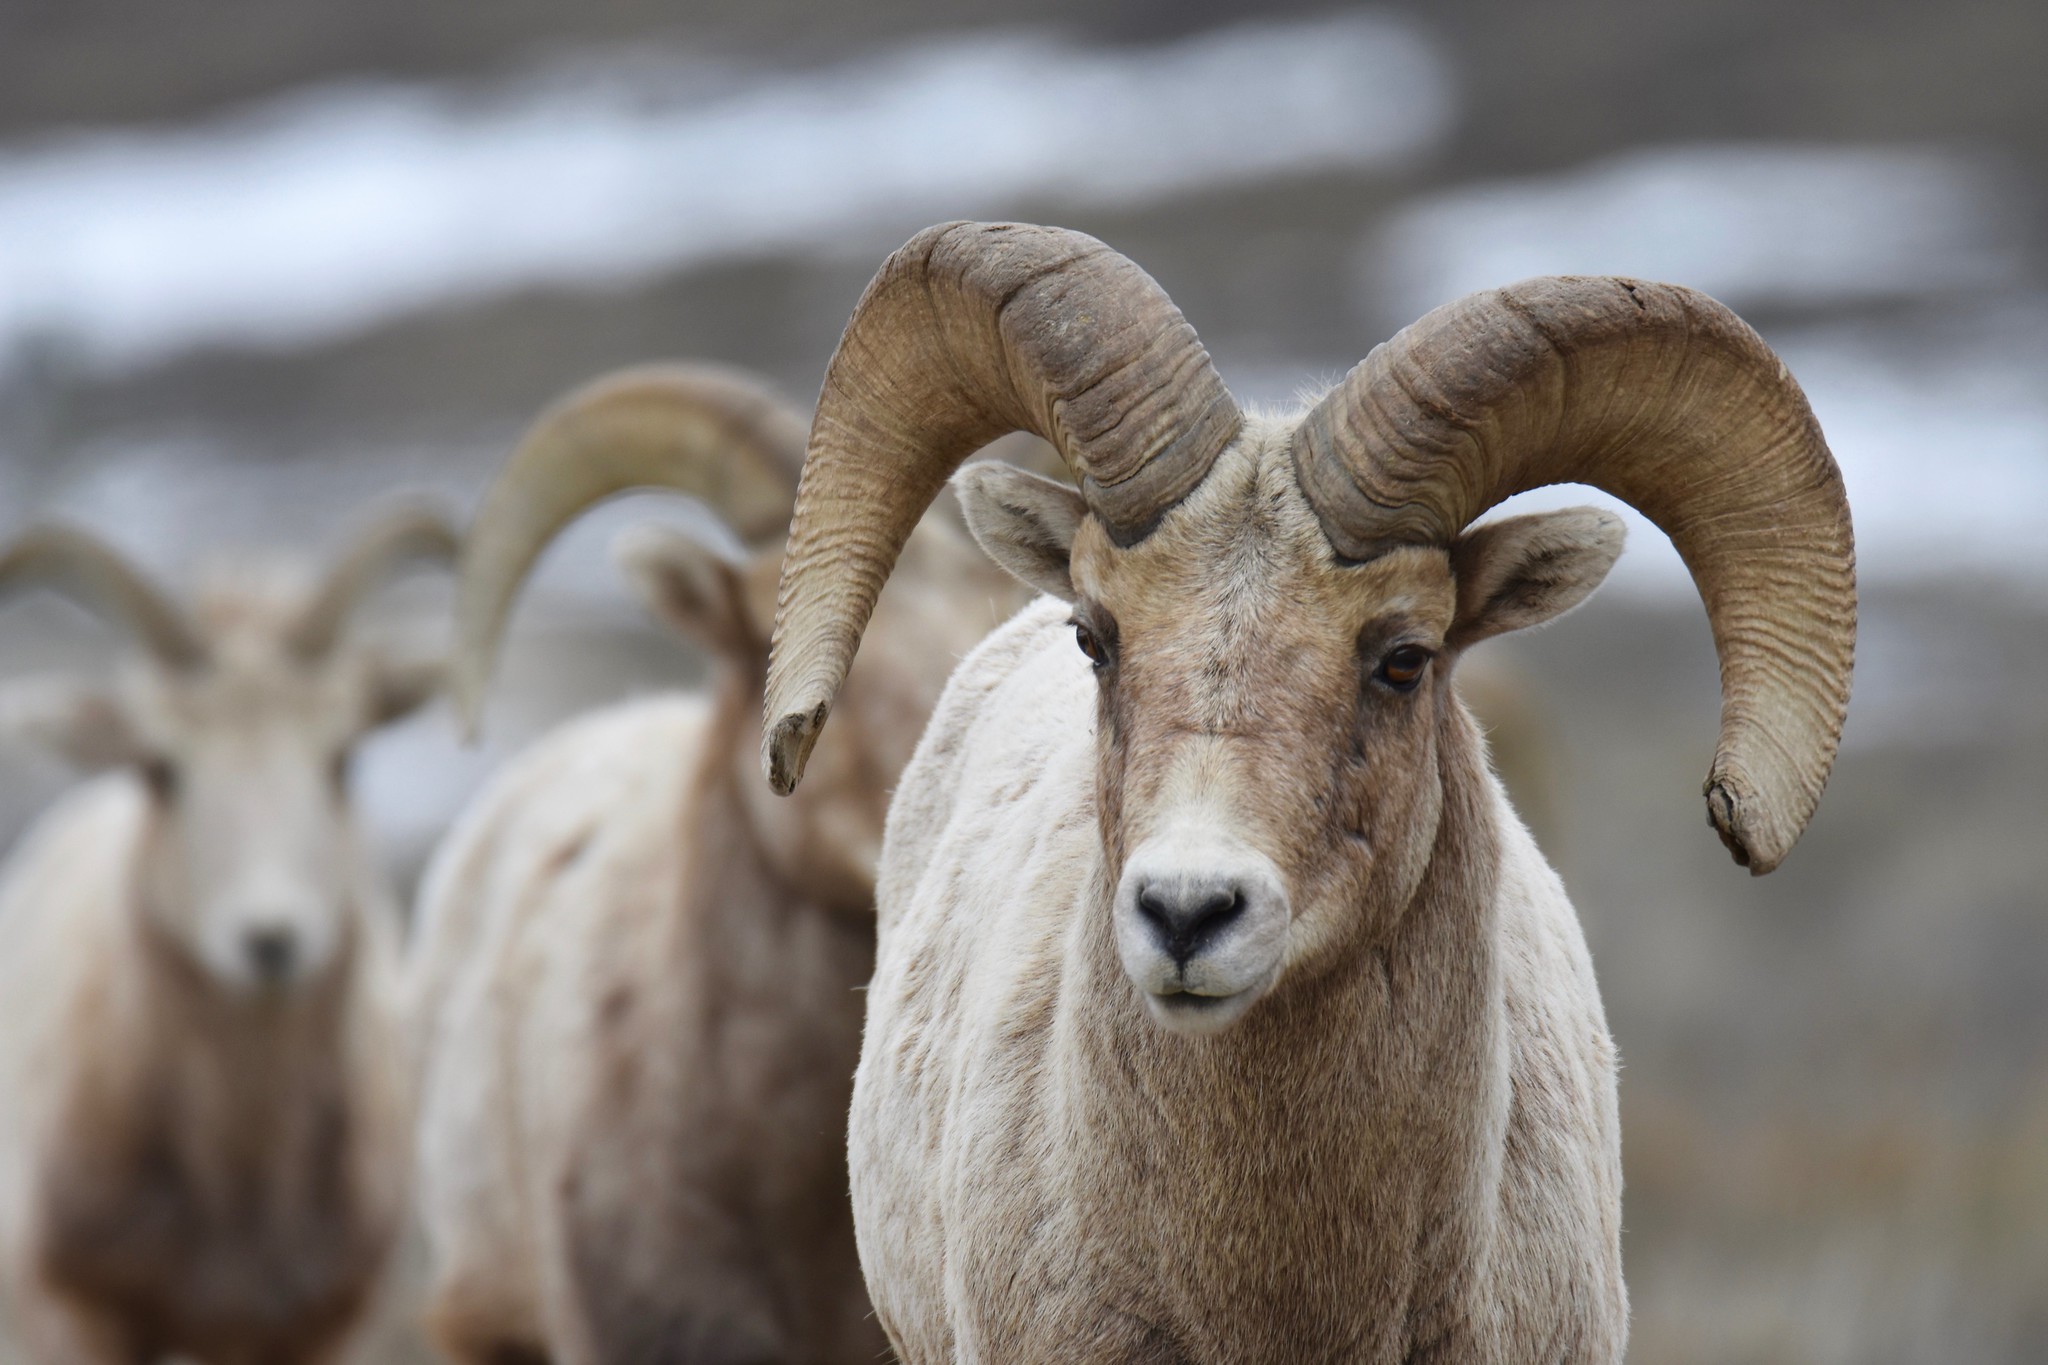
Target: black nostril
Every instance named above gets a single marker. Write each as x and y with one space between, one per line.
1217 911
270 951
1187 918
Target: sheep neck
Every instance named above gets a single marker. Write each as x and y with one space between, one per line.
232 1088
220 1147
1354 1119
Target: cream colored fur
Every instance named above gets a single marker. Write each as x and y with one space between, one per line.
1404 1150
639 985
193 1161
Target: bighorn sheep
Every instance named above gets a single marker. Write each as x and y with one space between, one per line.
639 970
1223 1010
202 1109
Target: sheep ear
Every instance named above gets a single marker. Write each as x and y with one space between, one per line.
400 687
1523 571
1024 522
699 588
87 726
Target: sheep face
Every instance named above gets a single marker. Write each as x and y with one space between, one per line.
249 865
1270 716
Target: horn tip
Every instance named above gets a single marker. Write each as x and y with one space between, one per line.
1750 847
787 746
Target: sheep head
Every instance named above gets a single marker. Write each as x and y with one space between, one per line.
239 717
1269 713
721 437
1273 606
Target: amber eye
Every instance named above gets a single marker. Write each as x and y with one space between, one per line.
1403 667
1090 646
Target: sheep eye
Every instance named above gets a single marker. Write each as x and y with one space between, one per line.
1092 647
160 775
1403 667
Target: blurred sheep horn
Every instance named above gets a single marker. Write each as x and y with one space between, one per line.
715 434
93 573
968 332
1664 398
404 536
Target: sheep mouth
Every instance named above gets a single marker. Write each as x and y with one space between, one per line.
1186 1012
1184 1009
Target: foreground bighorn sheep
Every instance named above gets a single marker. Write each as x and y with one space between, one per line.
639 973
1223 1010
202 1114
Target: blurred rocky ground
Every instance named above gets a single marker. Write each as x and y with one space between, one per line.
261 264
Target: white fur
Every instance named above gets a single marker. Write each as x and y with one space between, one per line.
637 994
1006 1155
89 1033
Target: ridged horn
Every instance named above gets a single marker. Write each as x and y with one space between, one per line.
715 434
968 332
403 536
96 575
1664 398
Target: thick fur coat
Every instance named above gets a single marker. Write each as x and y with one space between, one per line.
181 1172
638 991
1406 1150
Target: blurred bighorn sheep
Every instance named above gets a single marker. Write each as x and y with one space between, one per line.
1223 1010
202 1108
639 974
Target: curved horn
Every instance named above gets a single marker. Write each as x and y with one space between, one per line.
968 332
1664 398
87 569
404 536
714 434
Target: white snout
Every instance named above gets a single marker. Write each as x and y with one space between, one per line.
270 939
1201 927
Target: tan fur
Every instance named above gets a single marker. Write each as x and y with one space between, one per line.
1404 1150
640 981
192 1162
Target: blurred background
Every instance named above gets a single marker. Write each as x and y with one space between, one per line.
263 262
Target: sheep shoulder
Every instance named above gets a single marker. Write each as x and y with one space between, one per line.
64 890
536 817
632 1016
998 796
526 876
61 932
1553 1267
